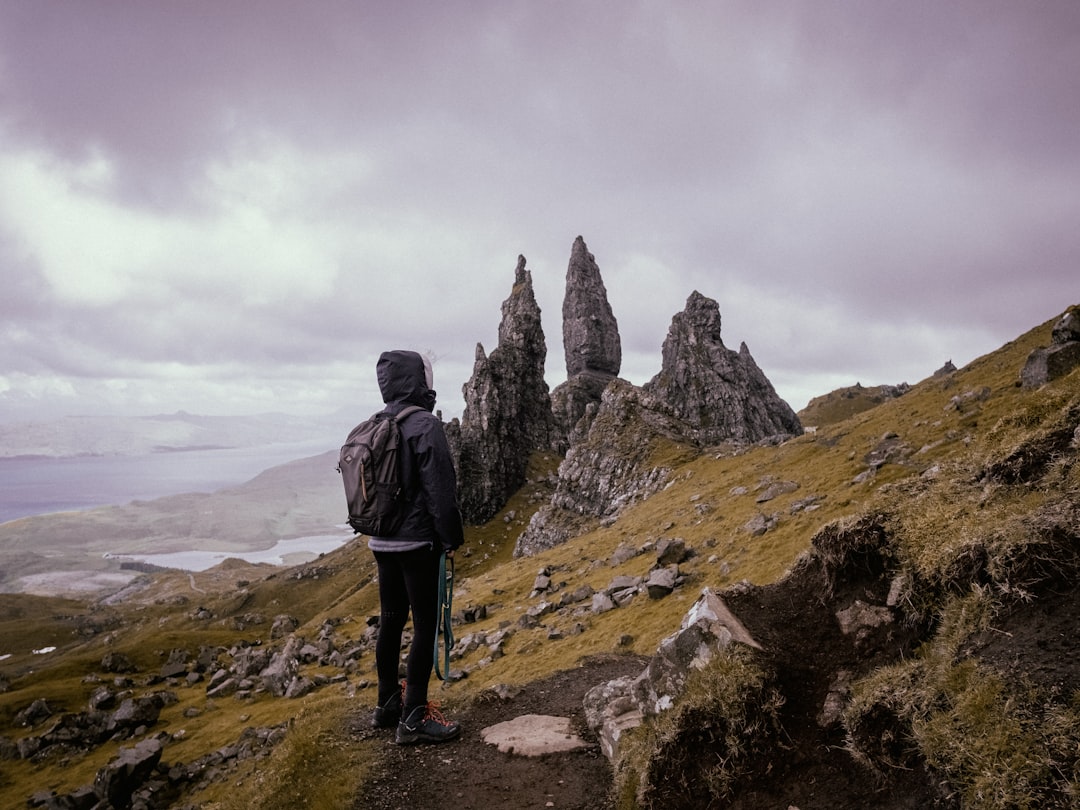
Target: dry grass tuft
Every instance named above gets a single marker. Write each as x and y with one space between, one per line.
712 737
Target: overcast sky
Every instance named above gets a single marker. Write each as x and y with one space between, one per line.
234 207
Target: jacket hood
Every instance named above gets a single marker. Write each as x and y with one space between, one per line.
405 377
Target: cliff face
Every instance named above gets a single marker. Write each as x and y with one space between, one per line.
507 408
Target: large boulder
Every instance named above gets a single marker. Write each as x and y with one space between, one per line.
1048 363
283 667
116 782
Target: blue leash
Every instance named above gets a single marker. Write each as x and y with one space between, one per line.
443 628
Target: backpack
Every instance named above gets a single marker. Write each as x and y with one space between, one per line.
371 472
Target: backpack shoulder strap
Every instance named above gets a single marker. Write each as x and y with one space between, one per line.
407 412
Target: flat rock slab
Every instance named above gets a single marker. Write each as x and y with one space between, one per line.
531 735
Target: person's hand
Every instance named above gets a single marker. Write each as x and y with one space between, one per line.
450 554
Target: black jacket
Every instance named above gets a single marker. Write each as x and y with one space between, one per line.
427 467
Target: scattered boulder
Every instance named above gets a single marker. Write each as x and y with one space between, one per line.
671 552
602 603
283 626
136 712
661 581
248 661
176 665
945 370
1046 364
116 662
768 490
299 686
760 523
969 401
283 667
124 775
38 711
861 619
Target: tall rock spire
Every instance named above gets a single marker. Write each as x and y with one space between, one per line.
507 408
590 332
591 343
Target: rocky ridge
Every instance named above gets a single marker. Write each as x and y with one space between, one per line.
607 428
857 600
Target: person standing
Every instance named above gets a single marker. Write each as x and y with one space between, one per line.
409 562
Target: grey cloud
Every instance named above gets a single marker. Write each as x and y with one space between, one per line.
901 169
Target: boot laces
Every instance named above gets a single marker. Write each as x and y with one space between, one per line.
432 712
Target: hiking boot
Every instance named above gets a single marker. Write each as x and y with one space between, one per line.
425 724
389 714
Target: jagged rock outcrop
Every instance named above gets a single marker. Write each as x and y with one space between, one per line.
1060 357
507 408
607 467
591 343
720 394
704 395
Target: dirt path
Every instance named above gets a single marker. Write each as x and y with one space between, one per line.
469 774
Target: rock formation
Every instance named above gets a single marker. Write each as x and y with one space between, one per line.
609 430
704 395
590 331
591 342
1062 356
507 408
721 395
608 466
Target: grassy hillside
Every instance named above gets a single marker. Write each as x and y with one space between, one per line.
955 470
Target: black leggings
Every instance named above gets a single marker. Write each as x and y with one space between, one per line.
407 579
